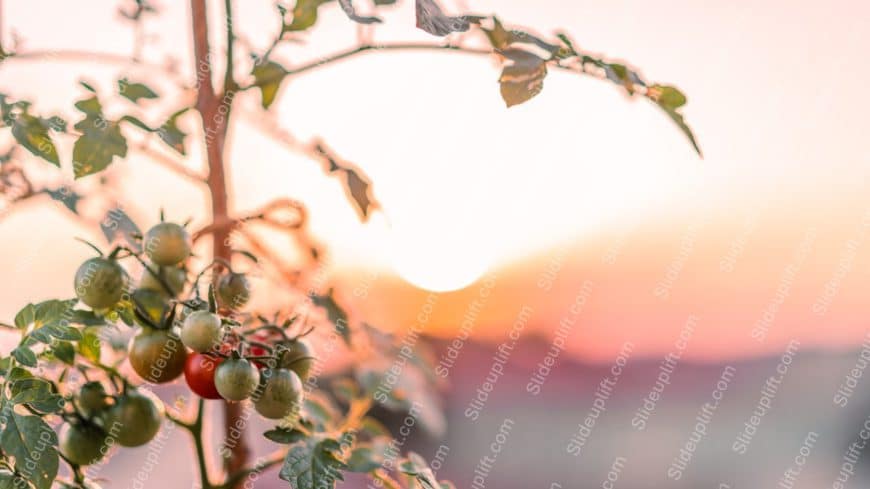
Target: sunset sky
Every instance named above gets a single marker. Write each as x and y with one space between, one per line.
580 181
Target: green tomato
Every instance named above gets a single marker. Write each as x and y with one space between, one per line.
135 419
173 276
157 355
298 356
83 444
279 393
92 398
233 290
167 244
236 379
100 282
202 331
152 303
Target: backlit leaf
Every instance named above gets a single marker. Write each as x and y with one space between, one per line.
32 443
32 134
304 15
134 91
523 78
433 20
313 464
350 11
268 76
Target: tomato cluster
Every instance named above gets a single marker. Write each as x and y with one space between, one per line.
221 352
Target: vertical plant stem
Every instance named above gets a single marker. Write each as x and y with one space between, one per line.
214 110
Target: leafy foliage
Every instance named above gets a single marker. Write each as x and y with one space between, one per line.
100 141
313 463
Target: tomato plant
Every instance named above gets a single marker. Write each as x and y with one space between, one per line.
62 377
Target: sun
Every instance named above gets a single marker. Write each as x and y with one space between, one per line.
439 258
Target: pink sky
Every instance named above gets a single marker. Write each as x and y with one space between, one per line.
774 96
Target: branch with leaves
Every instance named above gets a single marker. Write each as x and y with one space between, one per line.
325 432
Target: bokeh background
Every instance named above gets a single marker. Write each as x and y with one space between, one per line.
578 192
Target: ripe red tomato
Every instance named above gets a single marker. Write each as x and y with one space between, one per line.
199 372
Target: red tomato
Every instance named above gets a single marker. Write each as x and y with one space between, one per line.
199 372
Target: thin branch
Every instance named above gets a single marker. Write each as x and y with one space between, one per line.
75 55
229 81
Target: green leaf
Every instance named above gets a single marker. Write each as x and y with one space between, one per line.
134 91
336 314
416 467
357 185
670 99
501 38
313 464
268 76
347 7
523 78
31 133
86 318
89 346
117 226
25 317
284 435
304 15
66 196
100 142
32 443
171 134
65 352
24 356
52 311
364 459
320 411
622 75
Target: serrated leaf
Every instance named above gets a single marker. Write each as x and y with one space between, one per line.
38 394
66 196
622 75
313 464
267 77
284 435
65 352
89 345
170 133
32 443
134 91
304 15
25 316
501 38
432 19
523 78
117 226
24 356
32 134
350 11
101 140
86 318
365 459
670 99
418 468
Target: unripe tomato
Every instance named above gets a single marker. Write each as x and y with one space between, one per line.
173 276
157 355
279 393
153 304
199 371
135 419
236 379
202 331
92 398
293 356
100 282
167 244
83 444
233 290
